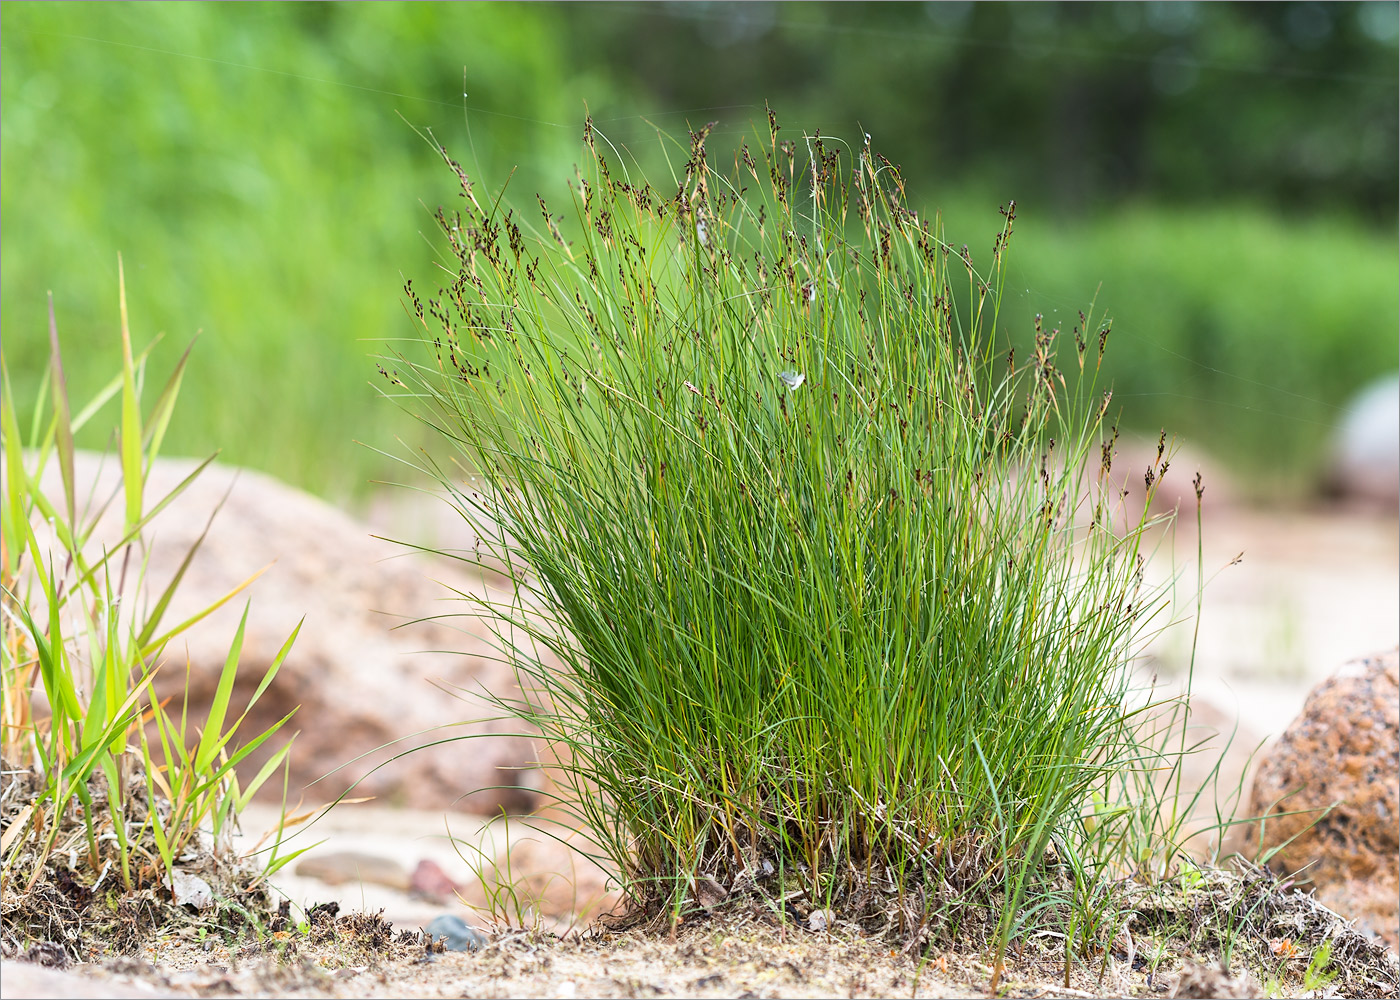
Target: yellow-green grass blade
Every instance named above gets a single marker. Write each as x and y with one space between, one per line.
212 736
15 517
98 401
135 531
165 406
131 416
172 743
282 860
107 392
63 419
158 832
274 667
226 769
156 644
37 419
57 677
247 748
71 545
246 793
118 812
158 612
94 718
81 765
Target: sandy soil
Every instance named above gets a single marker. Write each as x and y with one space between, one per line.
735 957
1311 590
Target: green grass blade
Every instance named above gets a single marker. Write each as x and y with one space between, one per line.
159 420
135 532
132 473
226 768
53 665
110 389
158 612
155 645
275 666
273 763
212 737
63 418
82 764
15 528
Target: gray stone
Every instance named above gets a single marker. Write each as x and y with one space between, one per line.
454 933
1365 461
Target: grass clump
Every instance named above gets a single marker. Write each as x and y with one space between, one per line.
117 812
842 598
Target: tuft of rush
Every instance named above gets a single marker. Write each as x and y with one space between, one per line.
864 647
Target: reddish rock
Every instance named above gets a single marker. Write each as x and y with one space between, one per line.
362 676
430 882
1345 749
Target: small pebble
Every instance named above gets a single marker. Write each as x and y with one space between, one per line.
455 934
191 890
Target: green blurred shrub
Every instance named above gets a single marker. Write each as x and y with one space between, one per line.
256 201
253 162
1244 333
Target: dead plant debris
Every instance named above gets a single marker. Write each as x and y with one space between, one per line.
62 897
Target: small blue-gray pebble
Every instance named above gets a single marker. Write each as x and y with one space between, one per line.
455 934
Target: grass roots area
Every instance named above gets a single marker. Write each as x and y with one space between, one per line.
827 592
1244 918
64 905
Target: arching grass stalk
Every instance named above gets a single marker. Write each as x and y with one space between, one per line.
831 576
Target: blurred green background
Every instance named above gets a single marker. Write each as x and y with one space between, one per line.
1224 175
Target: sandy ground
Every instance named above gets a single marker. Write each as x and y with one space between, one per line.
1311 590
734 957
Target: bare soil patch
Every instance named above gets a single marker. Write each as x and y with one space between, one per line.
737 955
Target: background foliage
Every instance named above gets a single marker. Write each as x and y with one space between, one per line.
1226 171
